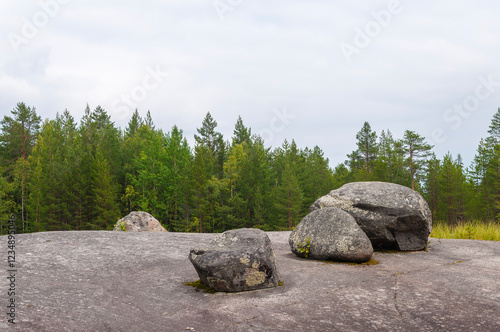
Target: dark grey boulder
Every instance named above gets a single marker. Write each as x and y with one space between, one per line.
330 234
238 260
139 221
393 216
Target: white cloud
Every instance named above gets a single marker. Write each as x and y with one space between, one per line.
262 56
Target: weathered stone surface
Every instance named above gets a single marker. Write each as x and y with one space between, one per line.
330 234
237 260
393 216
138 221
126 281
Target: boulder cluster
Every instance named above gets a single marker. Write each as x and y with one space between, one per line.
350 221
345 225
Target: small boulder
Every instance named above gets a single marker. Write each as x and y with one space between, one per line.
393 216
138 221
238 260
330 234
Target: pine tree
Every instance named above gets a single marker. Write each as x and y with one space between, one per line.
416 151
19 133
17 139
494 129
361 160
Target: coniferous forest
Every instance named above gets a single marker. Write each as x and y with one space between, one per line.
61 174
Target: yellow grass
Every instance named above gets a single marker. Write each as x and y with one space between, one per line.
469 230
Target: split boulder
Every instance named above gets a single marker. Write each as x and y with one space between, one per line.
138 221
238 260
330 234
393 216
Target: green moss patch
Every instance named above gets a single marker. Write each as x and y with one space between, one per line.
457 262
199 285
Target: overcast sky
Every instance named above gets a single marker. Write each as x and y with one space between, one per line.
312 71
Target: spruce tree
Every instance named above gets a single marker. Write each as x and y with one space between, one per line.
178 161
133 125
241 133
106 211
451 184
431 187
7 204
388 167
288 199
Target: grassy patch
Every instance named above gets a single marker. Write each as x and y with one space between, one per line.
470 230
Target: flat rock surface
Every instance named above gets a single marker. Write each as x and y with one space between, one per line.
123 281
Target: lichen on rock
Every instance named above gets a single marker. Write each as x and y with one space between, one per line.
237 260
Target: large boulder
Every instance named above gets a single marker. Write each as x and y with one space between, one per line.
330 234
393 216
237 260
138 221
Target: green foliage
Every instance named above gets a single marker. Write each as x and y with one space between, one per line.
242 134
123 226
364 157
304 247
416 151
68 176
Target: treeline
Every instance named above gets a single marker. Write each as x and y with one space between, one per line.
62 175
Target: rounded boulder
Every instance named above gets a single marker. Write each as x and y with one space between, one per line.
330 234
139 221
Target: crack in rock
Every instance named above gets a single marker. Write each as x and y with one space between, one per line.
396 300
